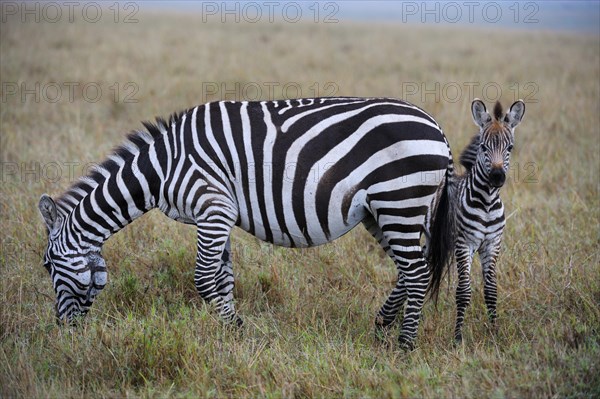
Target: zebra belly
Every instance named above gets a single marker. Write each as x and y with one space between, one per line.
314 236
283 239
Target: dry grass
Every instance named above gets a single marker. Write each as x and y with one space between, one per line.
309 313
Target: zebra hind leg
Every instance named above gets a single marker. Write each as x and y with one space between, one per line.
404 243
389 311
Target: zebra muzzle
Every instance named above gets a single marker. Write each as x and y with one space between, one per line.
497 177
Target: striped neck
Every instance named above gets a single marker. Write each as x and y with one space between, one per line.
115 193
479 190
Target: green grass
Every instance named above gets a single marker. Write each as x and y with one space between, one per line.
309 313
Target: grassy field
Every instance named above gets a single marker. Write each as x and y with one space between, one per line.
309 313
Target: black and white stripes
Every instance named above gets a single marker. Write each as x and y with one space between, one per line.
294 173
479 210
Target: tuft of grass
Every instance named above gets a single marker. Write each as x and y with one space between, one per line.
309 313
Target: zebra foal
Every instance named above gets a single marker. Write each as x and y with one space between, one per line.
479 210
295 173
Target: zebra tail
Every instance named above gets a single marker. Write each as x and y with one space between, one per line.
441 247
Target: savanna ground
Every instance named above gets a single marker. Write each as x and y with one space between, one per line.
309 313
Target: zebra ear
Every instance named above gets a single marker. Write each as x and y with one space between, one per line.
480 114
515 114
47 208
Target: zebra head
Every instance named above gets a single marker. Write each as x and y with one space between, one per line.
77 274
495 138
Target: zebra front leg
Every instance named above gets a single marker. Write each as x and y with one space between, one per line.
210 276
489 255
225 281
463 290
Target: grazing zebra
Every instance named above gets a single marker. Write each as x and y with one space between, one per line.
479 211
295 173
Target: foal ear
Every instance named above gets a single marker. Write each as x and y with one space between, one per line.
479 112
47 208
515 114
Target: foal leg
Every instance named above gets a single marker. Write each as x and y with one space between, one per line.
464 259
488 253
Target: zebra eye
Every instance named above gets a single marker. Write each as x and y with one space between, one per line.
483 147
510 147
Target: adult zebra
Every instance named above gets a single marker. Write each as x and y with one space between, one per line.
479 210
294 173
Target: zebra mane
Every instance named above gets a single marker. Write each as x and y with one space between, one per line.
469 154
498 113
135 142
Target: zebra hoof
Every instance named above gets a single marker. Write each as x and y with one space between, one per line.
492 317
382 334
382 329
406 344
458 340
239 323
234 324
